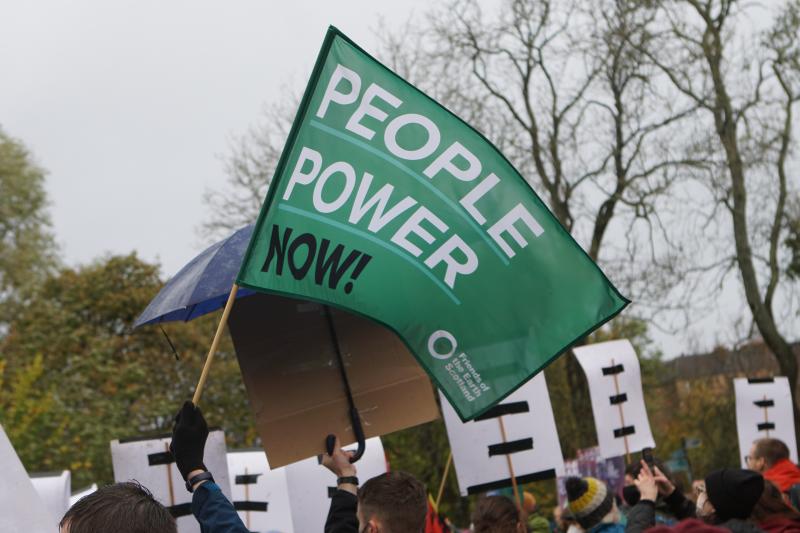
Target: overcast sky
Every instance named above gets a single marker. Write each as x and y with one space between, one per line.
131 105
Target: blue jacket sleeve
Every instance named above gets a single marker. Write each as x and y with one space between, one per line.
214 512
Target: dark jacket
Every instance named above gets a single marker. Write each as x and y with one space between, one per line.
643 514
342 514
214 512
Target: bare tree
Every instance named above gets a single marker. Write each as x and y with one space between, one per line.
249 168
561 89
747 90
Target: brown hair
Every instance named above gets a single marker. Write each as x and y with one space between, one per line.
496 514
772 505
396 499
771 450
123 508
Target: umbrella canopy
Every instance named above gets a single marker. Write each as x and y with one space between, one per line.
271 331
203 285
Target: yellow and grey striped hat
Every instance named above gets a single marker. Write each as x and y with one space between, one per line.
589 500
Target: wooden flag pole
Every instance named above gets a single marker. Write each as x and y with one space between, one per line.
622 419
247 499
214 344
169 478
444 480
766 415
510 464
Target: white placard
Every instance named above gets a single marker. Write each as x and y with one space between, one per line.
615 387
480 453
255 487
146 461
310 482
21 508
77 495
764 409
54 490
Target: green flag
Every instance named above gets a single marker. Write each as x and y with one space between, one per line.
386 204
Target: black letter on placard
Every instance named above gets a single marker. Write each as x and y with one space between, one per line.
299 272
160 458
619 398
765 403
182 509
621 432
247 479
277 248
365 258
166 458
760 380
330 264
247 505
766 426
510 408
611 370
250 506
514 446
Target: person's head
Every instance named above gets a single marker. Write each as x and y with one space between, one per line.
497 514
590 501
729 493
764 453
120 508
772 505
529 504
394 502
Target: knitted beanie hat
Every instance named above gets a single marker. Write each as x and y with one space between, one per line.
734 492
589 500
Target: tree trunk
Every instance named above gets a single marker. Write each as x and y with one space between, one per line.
726 126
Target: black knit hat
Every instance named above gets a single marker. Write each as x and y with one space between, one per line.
589 500
734 492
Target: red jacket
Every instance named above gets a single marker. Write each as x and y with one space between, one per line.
780 525
784 474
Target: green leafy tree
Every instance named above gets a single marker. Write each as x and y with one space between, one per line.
705 409
26 245
29 414
106 380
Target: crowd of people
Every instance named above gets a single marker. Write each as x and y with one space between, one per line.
764 497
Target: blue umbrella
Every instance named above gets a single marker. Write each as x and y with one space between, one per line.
203 285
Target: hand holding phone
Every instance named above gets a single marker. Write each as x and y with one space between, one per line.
647 457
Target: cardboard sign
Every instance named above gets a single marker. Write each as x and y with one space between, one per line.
77 495
481 454
260 495
148 461
21 508
764 410
386 204
615 387
311 485
54 490
293 380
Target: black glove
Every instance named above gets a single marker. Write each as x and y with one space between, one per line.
189 436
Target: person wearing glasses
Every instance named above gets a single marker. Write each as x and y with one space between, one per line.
770 457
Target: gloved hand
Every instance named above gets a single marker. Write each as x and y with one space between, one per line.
189 436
